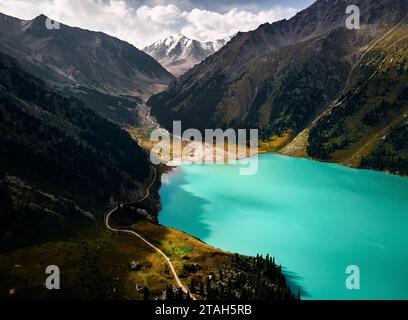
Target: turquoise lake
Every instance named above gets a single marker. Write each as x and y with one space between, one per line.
314 218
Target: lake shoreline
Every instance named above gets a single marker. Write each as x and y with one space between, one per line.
191 210
170 168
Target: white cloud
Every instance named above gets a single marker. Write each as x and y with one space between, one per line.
204 25
144 25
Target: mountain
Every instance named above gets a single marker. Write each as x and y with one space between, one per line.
284 77
61 164
178 53
109 74
368 127
60 161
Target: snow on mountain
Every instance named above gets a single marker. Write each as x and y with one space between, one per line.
178 53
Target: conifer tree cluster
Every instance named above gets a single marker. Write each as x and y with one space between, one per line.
247 278
173 293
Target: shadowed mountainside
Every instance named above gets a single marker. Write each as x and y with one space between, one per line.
59 159
109 74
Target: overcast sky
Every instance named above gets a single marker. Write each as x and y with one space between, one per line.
142 22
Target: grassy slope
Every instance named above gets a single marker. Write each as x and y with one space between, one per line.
96 264
375 104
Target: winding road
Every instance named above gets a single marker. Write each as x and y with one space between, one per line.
109 227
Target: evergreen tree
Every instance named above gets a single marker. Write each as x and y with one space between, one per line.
201 289
179 294
193 284
208 285
244 294
146 293
169 293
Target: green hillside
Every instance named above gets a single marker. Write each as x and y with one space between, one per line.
368 128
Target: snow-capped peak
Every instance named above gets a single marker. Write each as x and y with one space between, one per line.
179 53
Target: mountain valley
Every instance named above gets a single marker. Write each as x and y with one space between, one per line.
289 77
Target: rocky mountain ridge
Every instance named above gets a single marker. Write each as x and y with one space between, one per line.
178 53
